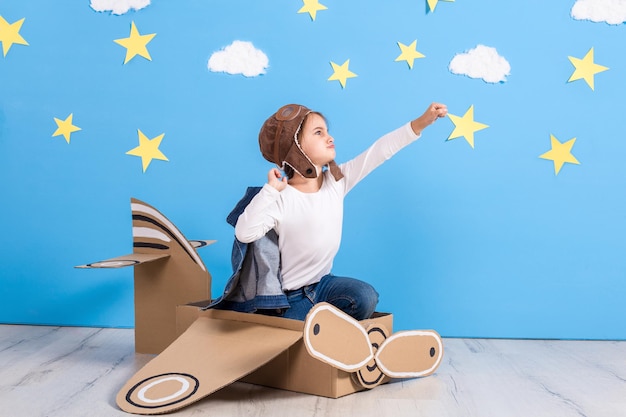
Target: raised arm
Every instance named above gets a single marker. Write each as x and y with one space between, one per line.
389 144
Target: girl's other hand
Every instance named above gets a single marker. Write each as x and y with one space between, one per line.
276 179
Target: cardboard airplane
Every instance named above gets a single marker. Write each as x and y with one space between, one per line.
200 351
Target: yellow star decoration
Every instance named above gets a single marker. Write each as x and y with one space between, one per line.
65 127
312 7
433 3
148 149
560 153
10 34
585 68
465 126
409 53
341 73
136 44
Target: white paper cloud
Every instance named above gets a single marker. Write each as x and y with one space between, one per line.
118 6
481 62
240 57
612 12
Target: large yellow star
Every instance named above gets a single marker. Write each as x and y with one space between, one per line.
148 149
341 73
560 153
65 127
585 68
312 7
10 34
409 53
136 44
433 3
465 126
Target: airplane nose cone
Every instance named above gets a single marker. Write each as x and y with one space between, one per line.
370 375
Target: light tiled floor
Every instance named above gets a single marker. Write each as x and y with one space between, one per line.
69 371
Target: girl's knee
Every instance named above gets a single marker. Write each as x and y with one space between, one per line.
352 296
367 303
364 300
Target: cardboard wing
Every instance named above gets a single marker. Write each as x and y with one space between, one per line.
209 355
168 272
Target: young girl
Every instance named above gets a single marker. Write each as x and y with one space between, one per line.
305 207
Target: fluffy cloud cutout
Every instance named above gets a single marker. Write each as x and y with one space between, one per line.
481 62
118 6
612 12
240 57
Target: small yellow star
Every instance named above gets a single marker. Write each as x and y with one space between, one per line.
433 3
312 7
148 149
136 44
341 73
10 34
465 126
585 68
65 127
560 153
409 53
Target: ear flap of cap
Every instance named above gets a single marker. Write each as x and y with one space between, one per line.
299 162
334 169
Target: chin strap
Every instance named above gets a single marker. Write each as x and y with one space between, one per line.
334 169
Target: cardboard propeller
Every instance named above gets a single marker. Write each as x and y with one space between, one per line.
337 339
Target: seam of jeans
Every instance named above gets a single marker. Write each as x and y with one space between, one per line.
351 300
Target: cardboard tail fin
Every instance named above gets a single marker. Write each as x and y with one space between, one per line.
168 272
154 233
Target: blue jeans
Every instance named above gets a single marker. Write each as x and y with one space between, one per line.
354 297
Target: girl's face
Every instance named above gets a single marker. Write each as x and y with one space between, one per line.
315 141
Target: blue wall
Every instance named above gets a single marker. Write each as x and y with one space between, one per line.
473 242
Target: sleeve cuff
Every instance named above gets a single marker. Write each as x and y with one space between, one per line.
410 131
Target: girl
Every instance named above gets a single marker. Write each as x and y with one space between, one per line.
305 207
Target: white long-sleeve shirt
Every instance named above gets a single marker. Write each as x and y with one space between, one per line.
309 225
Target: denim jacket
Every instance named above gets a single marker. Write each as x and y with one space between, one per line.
256 283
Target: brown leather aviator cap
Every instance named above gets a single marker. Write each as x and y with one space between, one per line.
279 143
